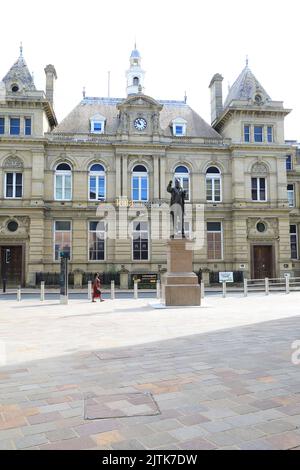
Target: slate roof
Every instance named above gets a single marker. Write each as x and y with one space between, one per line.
19 72
245 87
78 121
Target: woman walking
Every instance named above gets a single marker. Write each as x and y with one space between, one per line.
96 289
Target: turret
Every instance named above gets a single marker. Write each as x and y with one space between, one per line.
135 74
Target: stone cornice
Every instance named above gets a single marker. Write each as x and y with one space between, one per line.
258 147
219 123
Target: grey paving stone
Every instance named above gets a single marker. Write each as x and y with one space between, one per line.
57 407
10 434
136 431
247 433
165 425
188 432
276 426
216 426
60 435
197 444
245 420
30 441
223 439
257 444
218 413
158 439
189 420
7 445
131 444
38 428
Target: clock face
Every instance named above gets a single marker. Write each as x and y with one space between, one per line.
140 124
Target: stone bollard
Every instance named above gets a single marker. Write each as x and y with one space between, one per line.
202 289
112 290
89 290
245 287
224 289
158 289
287 284
267 287
135 290
42 291
19 294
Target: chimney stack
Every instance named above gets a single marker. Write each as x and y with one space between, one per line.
216 97
50 76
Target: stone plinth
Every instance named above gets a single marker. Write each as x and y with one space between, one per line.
180 285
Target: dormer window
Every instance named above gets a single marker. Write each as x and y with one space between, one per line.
97 124
179 127
97 127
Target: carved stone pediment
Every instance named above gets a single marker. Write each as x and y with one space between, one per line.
271 228
259 169
13 162
22 231
140 101
139 106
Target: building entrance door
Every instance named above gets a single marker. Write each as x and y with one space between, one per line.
11 263
262 261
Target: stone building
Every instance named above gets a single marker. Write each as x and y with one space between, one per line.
122 152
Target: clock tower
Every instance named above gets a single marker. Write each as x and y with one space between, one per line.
135 74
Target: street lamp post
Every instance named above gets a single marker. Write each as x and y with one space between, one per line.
64 257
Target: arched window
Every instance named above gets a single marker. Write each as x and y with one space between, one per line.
97 183
213 184
63 182
13 168
259 173
135 81
139 183
182 174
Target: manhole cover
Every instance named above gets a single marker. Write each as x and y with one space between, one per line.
120 405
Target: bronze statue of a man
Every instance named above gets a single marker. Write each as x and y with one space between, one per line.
178 196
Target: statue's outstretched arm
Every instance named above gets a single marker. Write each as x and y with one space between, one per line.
169 188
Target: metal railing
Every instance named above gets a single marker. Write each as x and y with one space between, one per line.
267 285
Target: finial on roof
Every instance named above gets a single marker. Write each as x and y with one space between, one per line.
185 97
135 42
247 60
21 49
83 92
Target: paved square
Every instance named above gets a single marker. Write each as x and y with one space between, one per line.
222 376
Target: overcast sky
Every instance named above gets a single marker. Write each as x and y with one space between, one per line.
182 43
